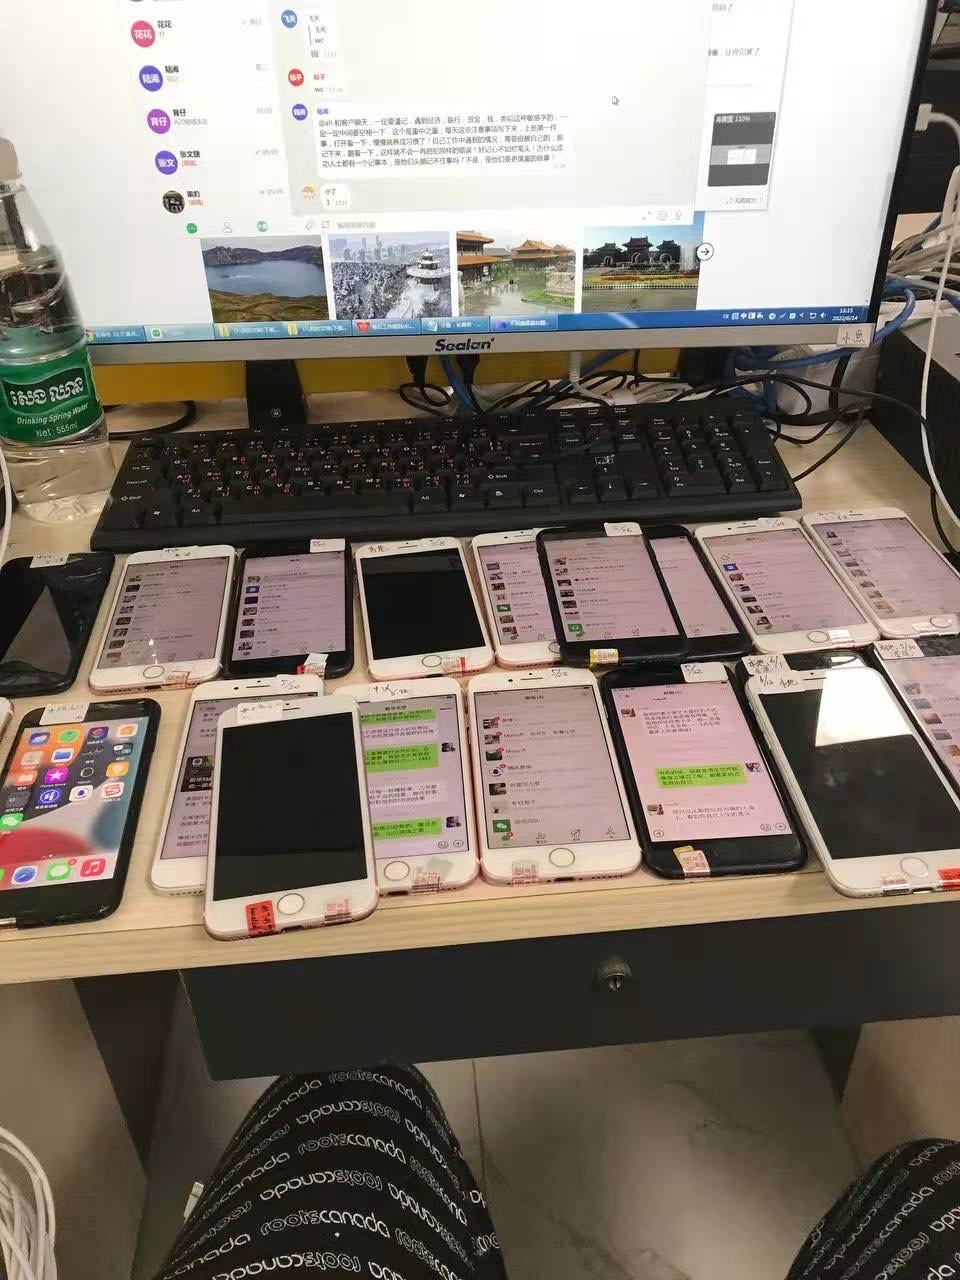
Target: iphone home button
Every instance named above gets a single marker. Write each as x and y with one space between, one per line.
941 622
431 660
915 867
153 673
562 857
553 647
396 871
818 637
290 904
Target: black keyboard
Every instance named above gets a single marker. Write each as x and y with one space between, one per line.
413 477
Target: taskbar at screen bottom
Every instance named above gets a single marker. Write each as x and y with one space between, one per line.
430 326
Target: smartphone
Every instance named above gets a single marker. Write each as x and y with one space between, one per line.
300 858
926 675
515 598
876 808
549 789
6 711
420 612
607 596
785 593
167 620
703 795
69 803
180 859
294 603
900 580
48 605
711 628
415 752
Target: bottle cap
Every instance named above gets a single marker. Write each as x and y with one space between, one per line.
9 164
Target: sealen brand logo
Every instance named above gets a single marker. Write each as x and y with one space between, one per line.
443 346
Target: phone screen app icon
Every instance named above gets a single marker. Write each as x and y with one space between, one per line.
30 758
24 875
8 821
39 739
80 793
127 731
68 735
56 775
63 755
58 871
112 790
118 769
97 733
92 867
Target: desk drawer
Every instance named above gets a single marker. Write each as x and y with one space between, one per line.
841 969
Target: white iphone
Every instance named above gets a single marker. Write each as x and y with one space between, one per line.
290 845
515 598
6 711
167 619
180 860
786 594
899 578
420 611
876 808
551 802
418 784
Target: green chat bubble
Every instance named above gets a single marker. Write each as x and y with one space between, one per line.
404 830
422 755
398 717
702 775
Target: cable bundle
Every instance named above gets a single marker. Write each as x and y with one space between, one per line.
28 1224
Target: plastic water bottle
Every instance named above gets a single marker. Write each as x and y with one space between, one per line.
52 430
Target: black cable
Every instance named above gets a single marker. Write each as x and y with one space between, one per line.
514 397
468 369
417 393
188 416
836 448
639 376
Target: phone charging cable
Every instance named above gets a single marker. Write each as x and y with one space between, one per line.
28 1222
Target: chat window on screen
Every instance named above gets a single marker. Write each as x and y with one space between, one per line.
932 687
414 777
546 773
517 592
607 589
698 770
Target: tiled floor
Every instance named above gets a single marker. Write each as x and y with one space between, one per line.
693 1160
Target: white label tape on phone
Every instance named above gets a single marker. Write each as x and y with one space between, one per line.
455 665
704 672
48 562
315 664
293 684
621 529
262 709
693 862
779 682
64 712
890 650
328 544
383 692
604 657
179 553
763 664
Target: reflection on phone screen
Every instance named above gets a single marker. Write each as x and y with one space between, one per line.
167 611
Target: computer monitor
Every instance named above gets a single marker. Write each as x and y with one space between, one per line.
248 179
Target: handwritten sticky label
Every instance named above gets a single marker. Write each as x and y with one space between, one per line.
524 873
48 562
260 918
180 553
779 682
383 693
259 711
621 529
949 878
175 679
64 712
604 657
336 909
765 663
293 684
327 544
425 881
704 672
455 665
854 335
315 664
693 862
890 650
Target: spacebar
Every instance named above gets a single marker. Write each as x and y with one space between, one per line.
287 507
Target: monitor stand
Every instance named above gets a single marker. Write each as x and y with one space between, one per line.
275 397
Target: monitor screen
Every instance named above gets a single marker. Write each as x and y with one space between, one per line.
447 177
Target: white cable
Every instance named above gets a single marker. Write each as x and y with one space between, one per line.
6 490
928 362
937 117
27 1228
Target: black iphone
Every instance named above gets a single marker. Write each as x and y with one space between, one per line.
712 630
69 802
293 601
702 790
48 606
607 596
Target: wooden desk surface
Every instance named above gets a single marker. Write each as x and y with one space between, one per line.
151 932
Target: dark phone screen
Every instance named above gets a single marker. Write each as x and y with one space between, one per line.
419 603
45 618
289 812
863 774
